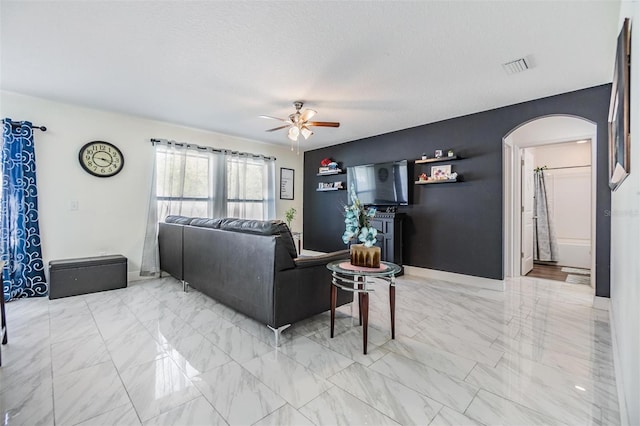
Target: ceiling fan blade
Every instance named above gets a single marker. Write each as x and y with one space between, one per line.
274 118
307 114
277 128
323 123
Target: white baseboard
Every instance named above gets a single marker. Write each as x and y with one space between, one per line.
624 418
602 303
481 282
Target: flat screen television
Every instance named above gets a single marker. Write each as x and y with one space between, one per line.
380 184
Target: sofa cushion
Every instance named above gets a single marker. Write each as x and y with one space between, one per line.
206 223
262 227
180 220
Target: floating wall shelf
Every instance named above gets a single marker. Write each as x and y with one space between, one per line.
429 182
328 189
331 172
437 160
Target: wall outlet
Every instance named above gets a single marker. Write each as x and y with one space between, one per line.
73 205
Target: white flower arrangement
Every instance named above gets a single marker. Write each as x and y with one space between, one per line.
357 220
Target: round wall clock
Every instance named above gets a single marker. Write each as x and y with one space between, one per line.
101 159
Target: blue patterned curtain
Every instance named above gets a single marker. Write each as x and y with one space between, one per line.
23 273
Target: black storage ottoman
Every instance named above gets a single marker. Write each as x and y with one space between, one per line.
71 277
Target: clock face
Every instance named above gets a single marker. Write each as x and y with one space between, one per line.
101 159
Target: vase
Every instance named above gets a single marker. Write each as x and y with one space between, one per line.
368 257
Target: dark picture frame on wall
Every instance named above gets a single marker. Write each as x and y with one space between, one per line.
287 181
619 137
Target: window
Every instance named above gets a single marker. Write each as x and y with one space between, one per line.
246 193
201 183
183 185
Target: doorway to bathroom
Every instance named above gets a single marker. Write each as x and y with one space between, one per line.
549 204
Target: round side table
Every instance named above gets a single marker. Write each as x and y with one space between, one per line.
356 279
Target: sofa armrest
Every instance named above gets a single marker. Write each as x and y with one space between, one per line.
322 259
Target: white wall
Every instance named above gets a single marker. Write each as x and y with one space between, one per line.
569 194
112 212
568 154
625 236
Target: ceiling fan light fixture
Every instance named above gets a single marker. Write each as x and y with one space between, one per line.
299 123
307 114
293 134
306 132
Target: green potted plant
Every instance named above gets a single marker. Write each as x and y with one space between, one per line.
289 215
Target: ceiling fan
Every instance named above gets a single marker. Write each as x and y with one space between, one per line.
299 124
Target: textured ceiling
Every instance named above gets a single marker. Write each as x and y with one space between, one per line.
374 66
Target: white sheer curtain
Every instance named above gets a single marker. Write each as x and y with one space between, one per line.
189 180
186 182
250 187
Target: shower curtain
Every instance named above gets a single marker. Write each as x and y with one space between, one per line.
545 244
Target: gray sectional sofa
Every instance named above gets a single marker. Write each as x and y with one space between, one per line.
251 266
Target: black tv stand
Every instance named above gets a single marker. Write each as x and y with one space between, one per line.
389 227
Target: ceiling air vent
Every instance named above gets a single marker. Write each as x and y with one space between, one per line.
514 67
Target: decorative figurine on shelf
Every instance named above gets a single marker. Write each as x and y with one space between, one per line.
424 156
450 153
438 153
423 177
453 176
327 165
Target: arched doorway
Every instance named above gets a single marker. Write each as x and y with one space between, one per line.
541 131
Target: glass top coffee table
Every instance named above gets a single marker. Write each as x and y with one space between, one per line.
356 279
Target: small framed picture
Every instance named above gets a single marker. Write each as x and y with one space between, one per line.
286 183
440 172
438 153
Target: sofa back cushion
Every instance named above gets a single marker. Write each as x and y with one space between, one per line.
205 223
180 220
262 227
247 226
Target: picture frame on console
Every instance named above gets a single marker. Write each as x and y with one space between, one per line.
619 138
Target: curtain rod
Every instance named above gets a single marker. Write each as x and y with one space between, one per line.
33 126
209 148
566 167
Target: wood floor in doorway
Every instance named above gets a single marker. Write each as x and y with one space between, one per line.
560 273
548 272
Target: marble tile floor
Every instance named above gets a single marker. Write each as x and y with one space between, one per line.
151 354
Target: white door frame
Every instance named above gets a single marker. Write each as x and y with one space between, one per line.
512 180
526 213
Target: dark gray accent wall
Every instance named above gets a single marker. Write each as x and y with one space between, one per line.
457 227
